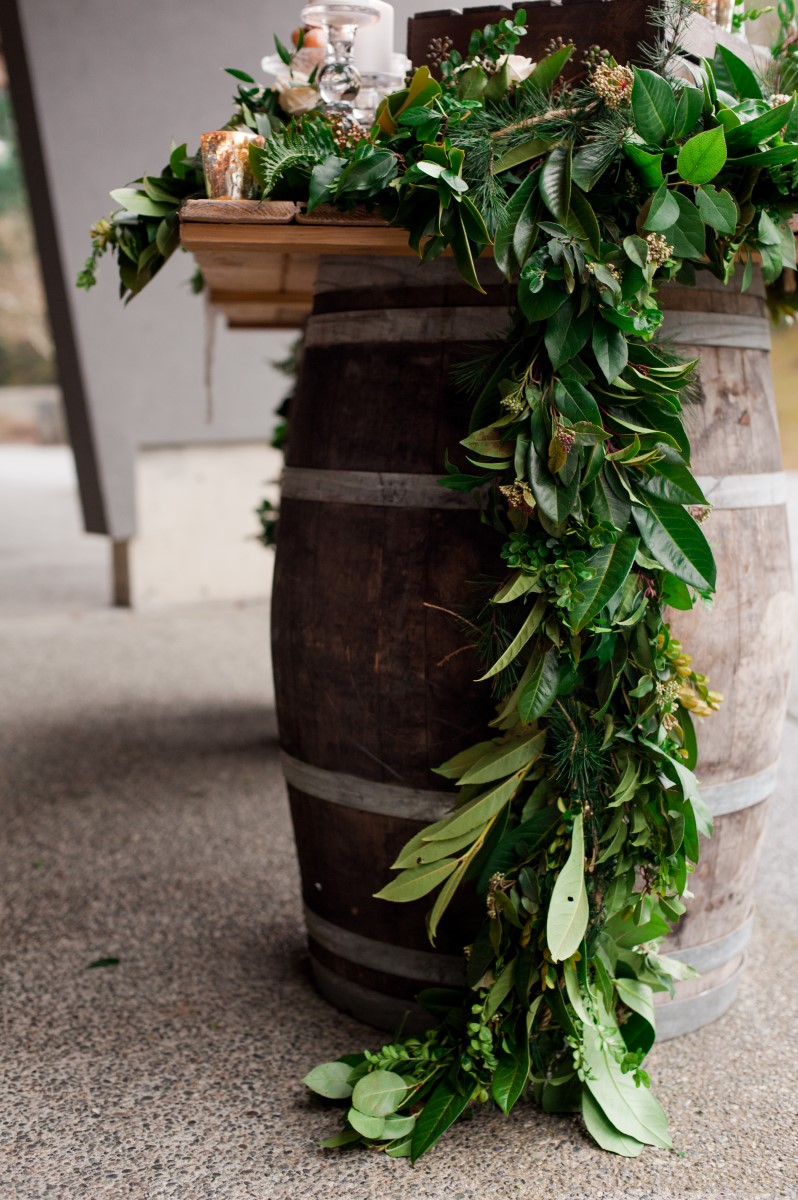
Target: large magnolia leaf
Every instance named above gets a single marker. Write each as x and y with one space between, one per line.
676 541
568 908
653 107
610 565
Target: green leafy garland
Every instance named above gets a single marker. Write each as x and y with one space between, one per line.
578 818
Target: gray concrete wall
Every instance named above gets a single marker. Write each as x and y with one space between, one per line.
114 84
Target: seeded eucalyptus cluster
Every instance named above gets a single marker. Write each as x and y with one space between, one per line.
578 818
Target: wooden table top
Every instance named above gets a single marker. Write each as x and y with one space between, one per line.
259 259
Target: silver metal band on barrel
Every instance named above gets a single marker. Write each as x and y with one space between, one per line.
393 490
417 804
475 323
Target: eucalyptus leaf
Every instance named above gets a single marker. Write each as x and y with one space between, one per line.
330 1080
379 1094
368 1126
568 909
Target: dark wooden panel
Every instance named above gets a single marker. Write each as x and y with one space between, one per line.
617 25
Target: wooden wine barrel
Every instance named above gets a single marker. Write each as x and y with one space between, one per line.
373 684
743 643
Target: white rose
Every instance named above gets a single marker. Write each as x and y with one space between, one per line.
519 68
297 99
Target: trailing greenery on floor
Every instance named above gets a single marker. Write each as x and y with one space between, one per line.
578 818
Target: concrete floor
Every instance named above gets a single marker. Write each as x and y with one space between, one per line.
144 818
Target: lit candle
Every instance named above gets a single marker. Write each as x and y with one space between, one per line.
374 43
225 160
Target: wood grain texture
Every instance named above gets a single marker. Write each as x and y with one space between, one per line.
278 212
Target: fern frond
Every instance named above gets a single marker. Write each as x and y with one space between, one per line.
299 147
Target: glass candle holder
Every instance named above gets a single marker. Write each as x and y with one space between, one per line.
225 163
339 79
720 11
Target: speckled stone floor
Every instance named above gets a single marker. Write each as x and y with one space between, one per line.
143 818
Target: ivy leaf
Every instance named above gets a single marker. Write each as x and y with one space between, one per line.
379 1093
676 541
610 349
653 107
631 1109
555 182
541 689
330 1080
664 210
718 209
611 565
602 1130
567 331
568 908
703 157
441 1110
